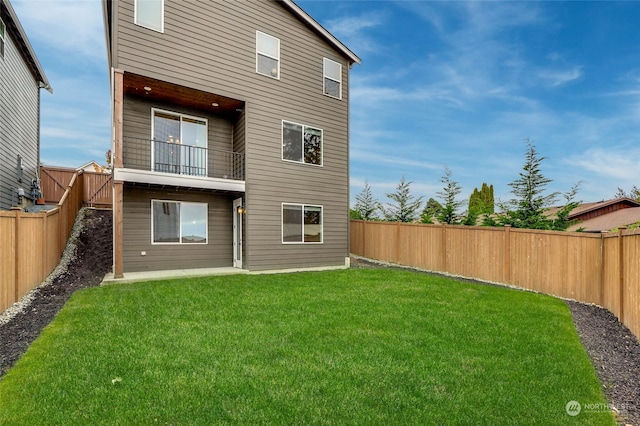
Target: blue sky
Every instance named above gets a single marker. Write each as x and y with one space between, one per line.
457 84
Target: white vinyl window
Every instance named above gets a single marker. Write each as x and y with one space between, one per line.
176 222
2 38
267 55
150 14
302 144
332 78
301 224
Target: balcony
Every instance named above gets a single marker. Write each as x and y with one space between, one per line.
174 164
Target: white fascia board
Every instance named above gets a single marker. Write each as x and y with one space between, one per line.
322 30
169 179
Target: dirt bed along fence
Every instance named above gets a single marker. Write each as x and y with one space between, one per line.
603 269
32 243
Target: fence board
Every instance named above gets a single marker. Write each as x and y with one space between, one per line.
7 260
96 187
586 267
32 243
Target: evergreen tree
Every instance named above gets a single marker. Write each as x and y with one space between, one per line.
481 202
634 194
366 206
404 206
431 210
448 196
527 209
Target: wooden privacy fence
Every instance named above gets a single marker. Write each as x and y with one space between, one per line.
32 243
603 269
97 189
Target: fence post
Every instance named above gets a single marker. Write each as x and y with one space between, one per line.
602 269
507 254
398 242
17 211
621 270
45 232
364 239
444 247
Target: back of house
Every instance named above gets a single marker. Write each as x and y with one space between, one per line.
231 129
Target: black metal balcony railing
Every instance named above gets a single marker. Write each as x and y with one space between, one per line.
181 159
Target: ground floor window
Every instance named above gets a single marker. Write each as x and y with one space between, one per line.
176 222
301 223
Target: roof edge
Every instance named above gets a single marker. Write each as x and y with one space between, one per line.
298 11
44 82
605 203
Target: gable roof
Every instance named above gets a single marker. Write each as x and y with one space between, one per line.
22 42
589 207
609 221
320 30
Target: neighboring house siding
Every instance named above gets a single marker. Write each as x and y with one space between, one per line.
137 133
137 233
222 36
19 121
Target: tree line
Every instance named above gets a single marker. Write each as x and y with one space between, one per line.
527 209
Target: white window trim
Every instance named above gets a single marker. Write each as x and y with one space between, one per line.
135 18
178 114
269 56
304 126
303 206
325 76
153 243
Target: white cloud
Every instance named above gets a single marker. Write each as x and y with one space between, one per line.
555 78
353 30
621 165
71 26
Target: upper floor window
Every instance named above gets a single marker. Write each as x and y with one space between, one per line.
332 78
150 14
2 38
302 144
178 222
179 143
267 55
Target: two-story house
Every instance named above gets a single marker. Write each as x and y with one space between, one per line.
231 136
21 78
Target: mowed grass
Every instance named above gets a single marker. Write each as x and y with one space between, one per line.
341 347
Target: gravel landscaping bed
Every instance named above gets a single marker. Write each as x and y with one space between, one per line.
613 349
85 261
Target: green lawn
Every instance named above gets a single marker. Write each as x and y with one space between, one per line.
341 347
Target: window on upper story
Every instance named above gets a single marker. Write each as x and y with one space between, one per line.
267 55
179 143
302 144
301 223
176 222
150 14
332 78
2 38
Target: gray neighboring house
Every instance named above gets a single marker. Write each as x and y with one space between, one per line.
231 136
21 78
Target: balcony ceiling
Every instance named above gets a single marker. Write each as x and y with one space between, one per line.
168 93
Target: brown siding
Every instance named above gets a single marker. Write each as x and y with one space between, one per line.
213 44
137 233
